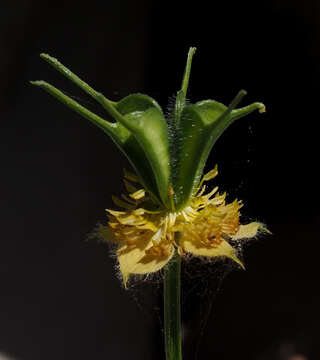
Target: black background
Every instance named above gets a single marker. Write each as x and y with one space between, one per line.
60 298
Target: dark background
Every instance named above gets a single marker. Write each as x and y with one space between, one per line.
60 298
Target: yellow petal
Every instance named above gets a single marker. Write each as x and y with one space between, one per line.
152 263
129 256
133 259
223 249
249 230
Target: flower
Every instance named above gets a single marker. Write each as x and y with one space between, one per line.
145 231
168 156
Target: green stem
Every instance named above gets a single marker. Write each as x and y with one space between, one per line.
172 281
172 312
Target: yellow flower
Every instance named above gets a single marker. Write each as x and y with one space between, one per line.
144 231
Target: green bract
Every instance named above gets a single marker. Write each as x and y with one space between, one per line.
168 163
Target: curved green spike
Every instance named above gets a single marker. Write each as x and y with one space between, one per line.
246 110
70 75
74 105
125 141
200 127
186 76
181 94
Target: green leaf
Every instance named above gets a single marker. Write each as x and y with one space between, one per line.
200 127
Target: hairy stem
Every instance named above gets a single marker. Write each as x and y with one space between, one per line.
172 281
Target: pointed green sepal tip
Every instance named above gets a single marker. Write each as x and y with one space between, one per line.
186 76
37 82
242 93
46 56
264 229
261 107
55 63
236 101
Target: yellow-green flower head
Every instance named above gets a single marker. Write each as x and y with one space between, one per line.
169 165
145 233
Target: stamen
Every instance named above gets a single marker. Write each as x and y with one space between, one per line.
115 213
126 198
208 176
139 194
121 203
201 191
129 187
130 176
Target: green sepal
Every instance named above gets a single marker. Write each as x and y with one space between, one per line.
201 125
150 129
122 137
144 119
131 104
136 102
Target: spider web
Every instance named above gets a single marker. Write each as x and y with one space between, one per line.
201 282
